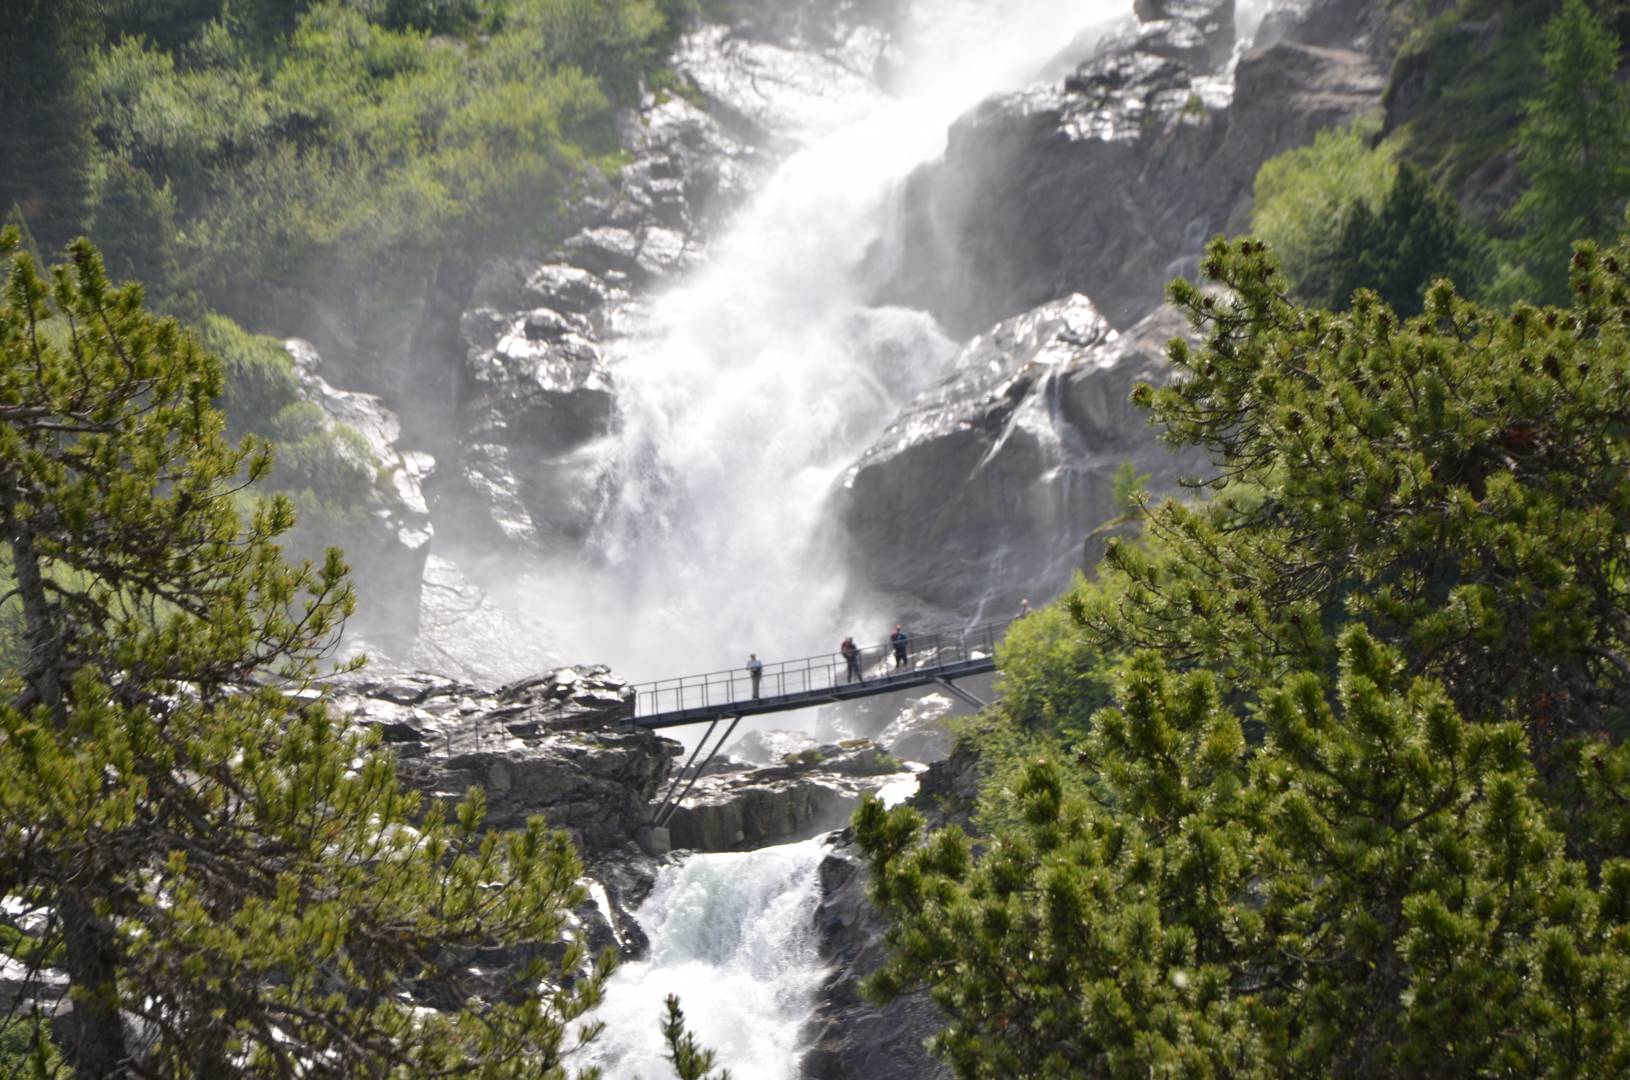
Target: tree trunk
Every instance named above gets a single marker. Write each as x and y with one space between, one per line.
97 1045
43 676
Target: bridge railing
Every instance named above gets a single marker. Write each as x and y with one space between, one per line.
924 654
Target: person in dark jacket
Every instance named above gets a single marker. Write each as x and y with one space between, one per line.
851 659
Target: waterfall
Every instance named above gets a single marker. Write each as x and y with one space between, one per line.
732 935
746 389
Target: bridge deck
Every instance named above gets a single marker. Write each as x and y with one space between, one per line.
803 699
818 680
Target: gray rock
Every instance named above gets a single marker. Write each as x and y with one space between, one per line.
539 746
750 812
992 480
921 731
388 558
769 747
848 1036
537 398
808 793
1110 183
525 474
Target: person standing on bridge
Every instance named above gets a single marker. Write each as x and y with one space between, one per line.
851 658
755 670
899 640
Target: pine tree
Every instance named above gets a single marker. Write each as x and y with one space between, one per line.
234 882
690 1061
1574 145
1415 237
1361 803
1375 890
44 128
1457 481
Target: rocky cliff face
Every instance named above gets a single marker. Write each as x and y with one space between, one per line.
1105 183
533 398
806 793
988 483
392 547
848 1036
1059 213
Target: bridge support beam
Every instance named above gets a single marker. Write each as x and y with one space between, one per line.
669 804
962 695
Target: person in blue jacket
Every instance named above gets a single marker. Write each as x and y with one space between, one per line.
899 640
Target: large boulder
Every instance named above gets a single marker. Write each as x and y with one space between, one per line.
464 634
536 398
922 730
992 480
1110 182
556 745
808 793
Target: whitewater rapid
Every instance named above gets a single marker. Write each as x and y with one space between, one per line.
733 936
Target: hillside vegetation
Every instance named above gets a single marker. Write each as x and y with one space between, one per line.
1506 136
245 160
1357 804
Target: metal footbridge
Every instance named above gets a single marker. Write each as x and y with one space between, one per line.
725 697
937 658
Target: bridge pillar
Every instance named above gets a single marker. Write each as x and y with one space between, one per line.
653 839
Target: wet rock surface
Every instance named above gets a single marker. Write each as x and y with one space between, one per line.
555 744
466 636
848 1036
807 793
1109 182
993 479
388 555
533 395
921 730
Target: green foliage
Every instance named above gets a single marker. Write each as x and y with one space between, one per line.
136 225
1053 676
339 141
690 1061
1415 237
1466 69
1301 194
259 377
1360 802
326 468
1574 146
1455 481
27 1052
1376 891
233 868
45 168
1131 488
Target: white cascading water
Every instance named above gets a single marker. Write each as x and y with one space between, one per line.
745 392
732 936
748 388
